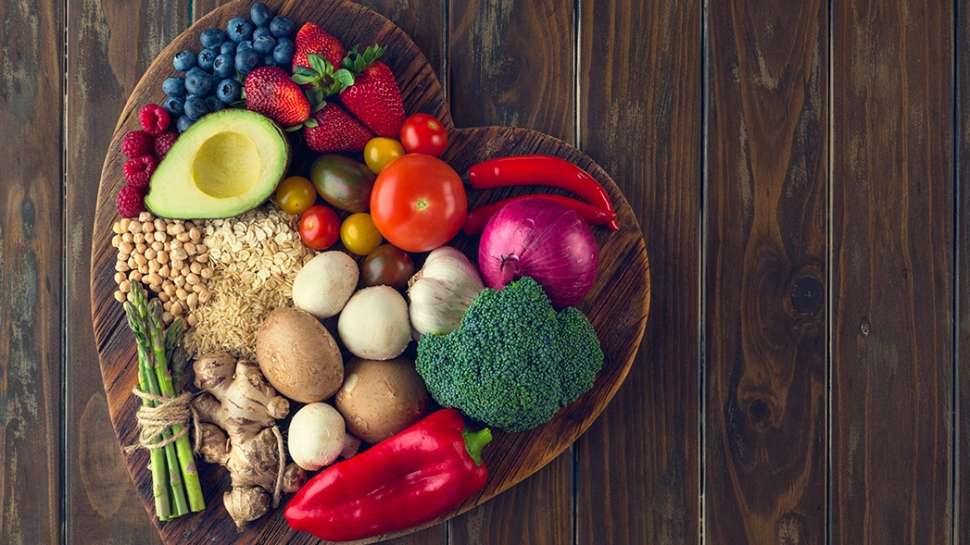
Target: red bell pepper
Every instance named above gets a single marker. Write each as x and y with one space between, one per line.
412 477
541 170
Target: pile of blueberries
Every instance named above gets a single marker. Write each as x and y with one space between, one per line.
213 76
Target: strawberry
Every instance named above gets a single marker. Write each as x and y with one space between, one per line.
333 129
137 143
270 91
311 38
164 142
374 97
130 201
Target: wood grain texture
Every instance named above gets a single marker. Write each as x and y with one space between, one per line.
107 53
616 305
961 427
765 273
892 234
30 272
640 116
513 64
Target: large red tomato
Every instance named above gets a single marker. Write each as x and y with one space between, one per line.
418 203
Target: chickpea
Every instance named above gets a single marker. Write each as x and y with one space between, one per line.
167 317
191 320
160 236
164 272
204 296
153 266
126 237
141 247
195 268
162 256
194 234
181 294
124 286
125 248
179 281
119 296
189 248
169 288
192 300
139 238
157 246
116 228
116 241
136 276
141 260
177 309
182 237
150 253
178 227
119 276
154 279
164 297
124 224
122 266
202 258
144 216
148 228
143 269
134 227
179 253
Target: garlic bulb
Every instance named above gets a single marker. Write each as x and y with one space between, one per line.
441 291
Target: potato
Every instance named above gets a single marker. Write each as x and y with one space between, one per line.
298 356
324 284
375 324
381 398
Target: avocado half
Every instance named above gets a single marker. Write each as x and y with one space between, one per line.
226 163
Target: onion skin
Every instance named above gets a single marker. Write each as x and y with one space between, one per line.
543 240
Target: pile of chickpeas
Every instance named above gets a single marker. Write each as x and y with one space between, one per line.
168 256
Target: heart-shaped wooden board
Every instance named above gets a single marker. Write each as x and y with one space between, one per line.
617 305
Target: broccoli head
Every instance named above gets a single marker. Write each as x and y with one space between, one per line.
513 361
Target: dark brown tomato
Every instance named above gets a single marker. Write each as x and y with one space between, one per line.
387 266
342 182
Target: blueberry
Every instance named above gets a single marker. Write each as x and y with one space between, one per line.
198 82
195 107
174 86
214 104
184 60
269 61
205 58
212 37
224 66
174 105
264 45
245 44
246 60
183 123
259 13
228 90
261 32
281 26
239 29
227 47
283 52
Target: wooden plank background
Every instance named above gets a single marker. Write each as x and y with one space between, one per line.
800 170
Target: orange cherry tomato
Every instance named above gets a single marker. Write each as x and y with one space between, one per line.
418 203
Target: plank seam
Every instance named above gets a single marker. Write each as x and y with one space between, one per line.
829 273
62 446
702 275
955 385
577 120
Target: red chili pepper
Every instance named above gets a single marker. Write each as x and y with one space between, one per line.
541 170
409 478
477 218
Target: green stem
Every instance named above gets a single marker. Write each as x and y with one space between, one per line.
475 441
186 457
157 457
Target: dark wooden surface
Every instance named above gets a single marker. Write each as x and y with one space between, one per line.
800 174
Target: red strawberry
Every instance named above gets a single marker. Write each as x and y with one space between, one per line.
154 119
138 171
130 201
270 91
332 129
164 142
137 143
374 97
313 39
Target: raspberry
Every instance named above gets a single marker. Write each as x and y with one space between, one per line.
139 170
154 119
130 201
137 143
163 143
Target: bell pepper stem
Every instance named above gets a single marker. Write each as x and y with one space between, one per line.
475 441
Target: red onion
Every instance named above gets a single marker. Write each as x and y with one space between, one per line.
543 240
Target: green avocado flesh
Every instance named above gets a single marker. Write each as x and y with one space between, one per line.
226 163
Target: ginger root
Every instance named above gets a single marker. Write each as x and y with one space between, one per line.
237 413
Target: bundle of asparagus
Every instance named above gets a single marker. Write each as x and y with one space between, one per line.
175 479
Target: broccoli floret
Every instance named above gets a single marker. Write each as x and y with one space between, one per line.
513 361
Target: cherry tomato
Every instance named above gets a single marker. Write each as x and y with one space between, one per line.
387 266
359 234
423 133
380 151
295 194
418 203
318 227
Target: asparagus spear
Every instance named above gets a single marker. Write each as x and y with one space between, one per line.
157 457
140 323
156 333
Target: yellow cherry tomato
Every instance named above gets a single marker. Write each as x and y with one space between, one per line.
380 151
295 194
359 234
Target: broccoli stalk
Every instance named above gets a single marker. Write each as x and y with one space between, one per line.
513 361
